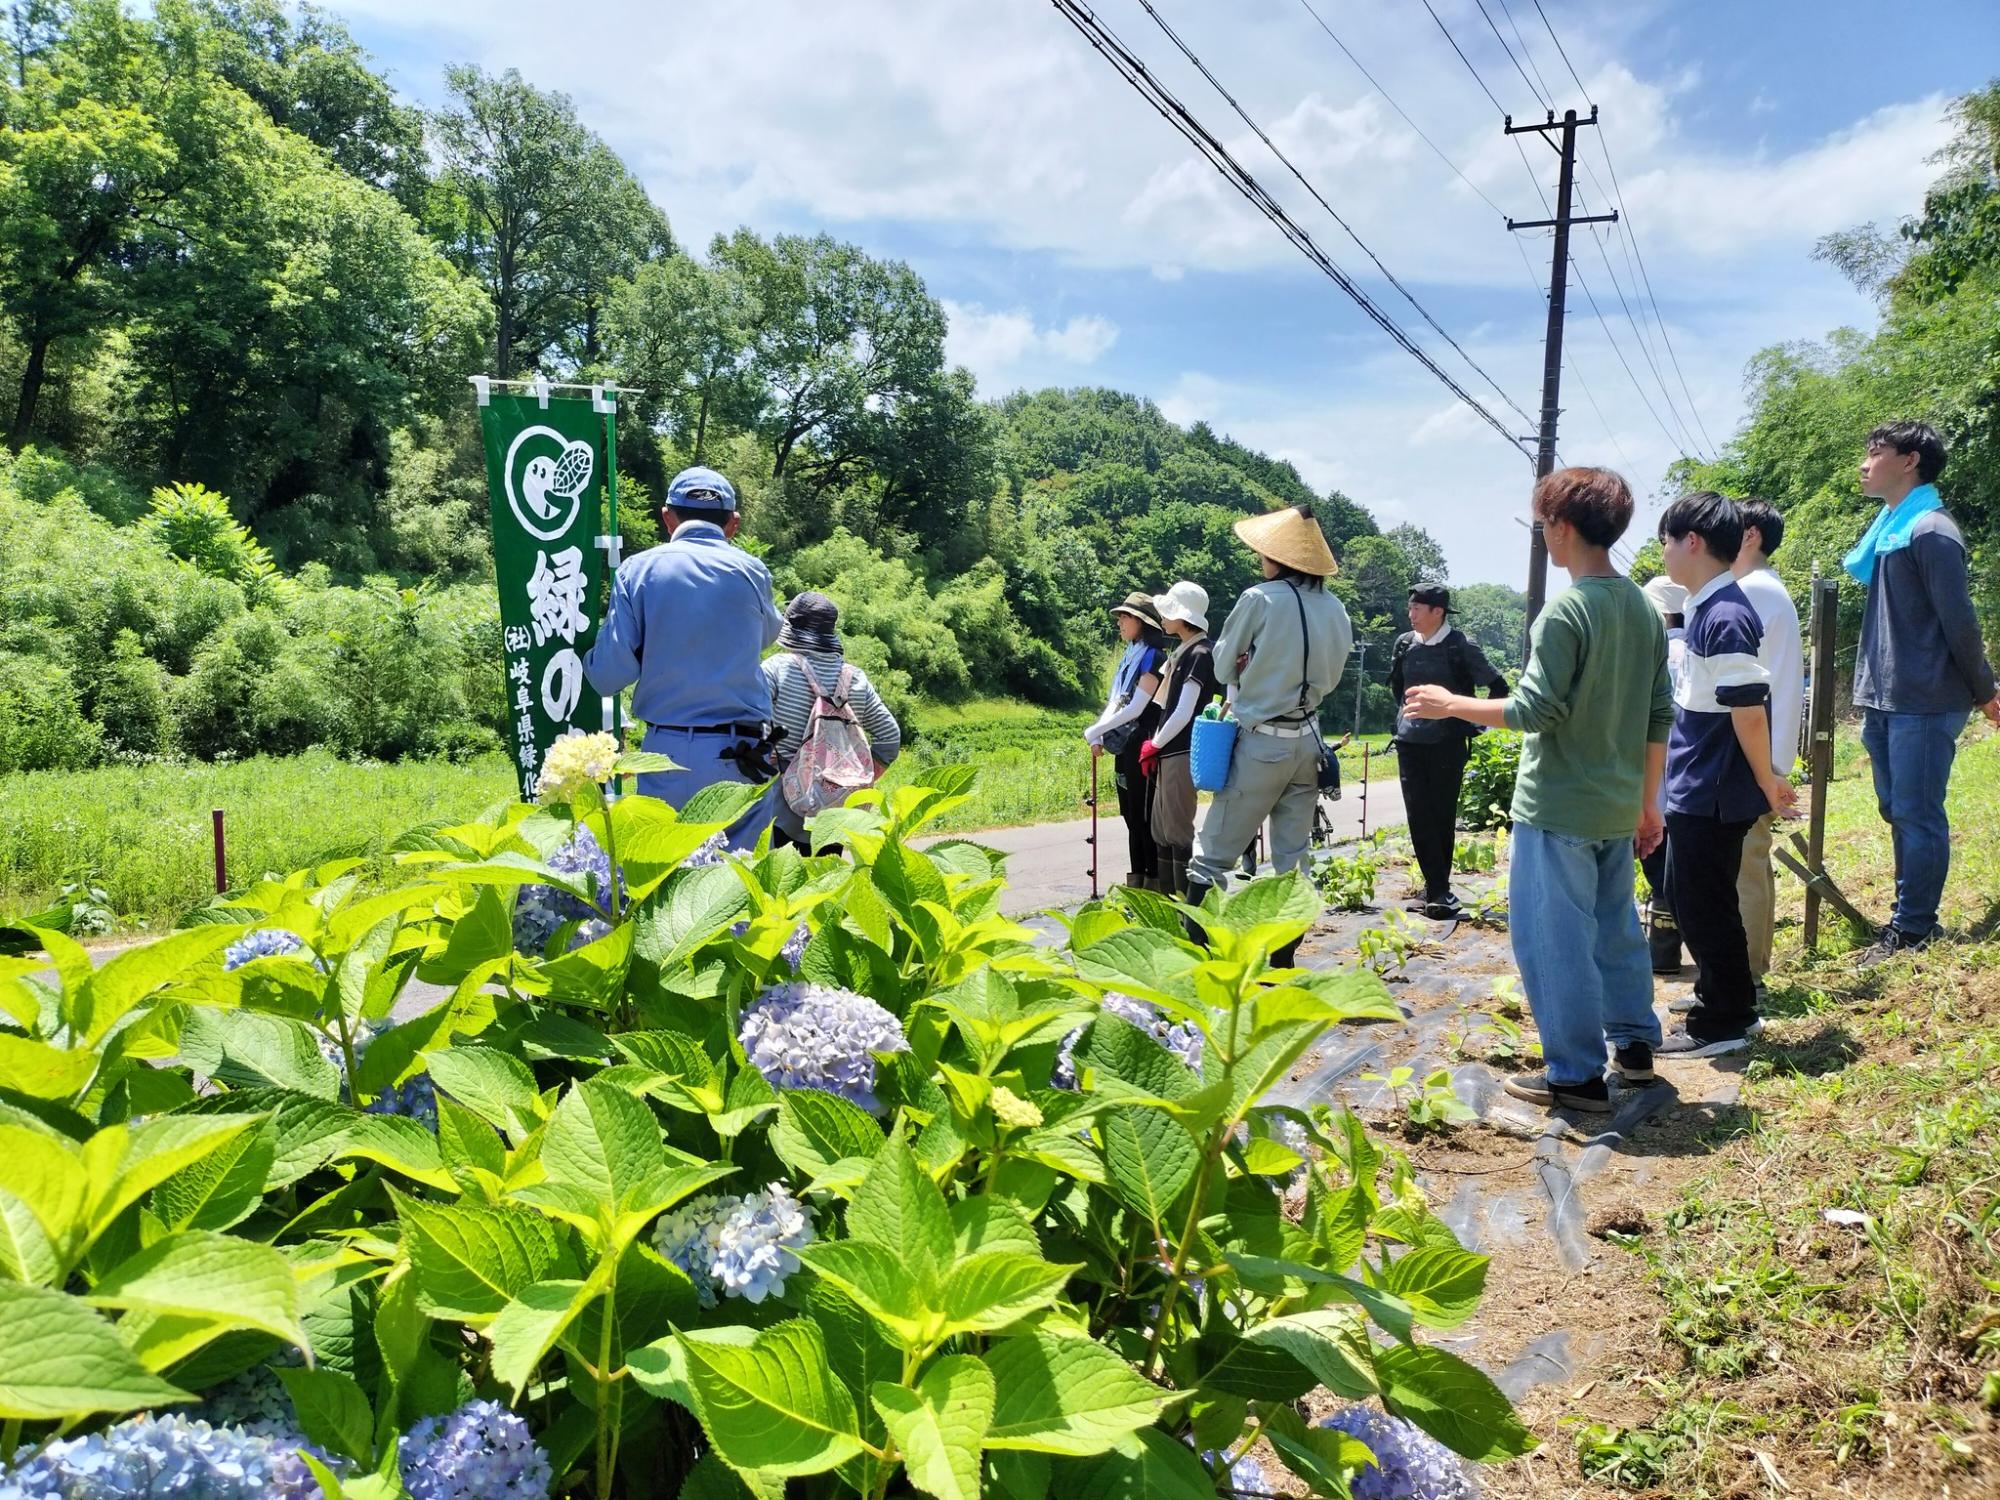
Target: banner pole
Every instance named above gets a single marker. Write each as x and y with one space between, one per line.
607 401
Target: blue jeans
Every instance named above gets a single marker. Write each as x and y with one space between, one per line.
1575 929
1911 757
701 757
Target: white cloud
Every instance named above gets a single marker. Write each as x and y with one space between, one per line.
1006 348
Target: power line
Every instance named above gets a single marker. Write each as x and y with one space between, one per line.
1569 363
1630 233
1320 199
1645 350
1487 16
1672 441
1464 59
1435 149
1129 67
1680 445
1548 94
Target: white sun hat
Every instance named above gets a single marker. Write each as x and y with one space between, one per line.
1184 601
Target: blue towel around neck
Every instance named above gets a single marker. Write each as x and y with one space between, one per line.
1890 531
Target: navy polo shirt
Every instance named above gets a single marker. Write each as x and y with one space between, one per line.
1708 775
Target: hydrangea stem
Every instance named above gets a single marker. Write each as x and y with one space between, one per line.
607 1429
10 1439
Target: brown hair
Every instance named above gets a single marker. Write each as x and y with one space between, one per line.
1597 502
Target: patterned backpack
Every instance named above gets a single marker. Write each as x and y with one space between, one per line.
834 759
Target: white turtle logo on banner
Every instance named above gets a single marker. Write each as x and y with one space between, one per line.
555 470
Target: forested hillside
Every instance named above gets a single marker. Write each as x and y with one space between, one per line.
243 283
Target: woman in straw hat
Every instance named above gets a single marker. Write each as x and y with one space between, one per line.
1189 681
1283 647
1127 723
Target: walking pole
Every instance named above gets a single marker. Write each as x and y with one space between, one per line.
1092 840
1364 789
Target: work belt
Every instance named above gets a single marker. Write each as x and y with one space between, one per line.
1282 731
744 731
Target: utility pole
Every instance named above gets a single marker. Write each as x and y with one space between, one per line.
1360 682
1552 344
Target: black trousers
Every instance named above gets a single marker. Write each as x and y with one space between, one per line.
1655 866
1431 776
1135 796
1703 856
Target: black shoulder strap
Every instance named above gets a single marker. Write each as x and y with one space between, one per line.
1305 652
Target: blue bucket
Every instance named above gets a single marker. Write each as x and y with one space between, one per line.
1209 753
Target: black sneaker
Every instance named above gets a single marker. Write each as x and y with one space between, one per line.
1593 1097
1682 1044
1892 942
1633 1062
1444 909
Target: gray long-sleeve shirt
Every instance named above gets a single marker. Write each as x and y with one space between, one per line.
1265 623
1921 651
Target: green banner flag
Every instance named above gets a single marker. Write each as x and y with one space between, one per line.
548 464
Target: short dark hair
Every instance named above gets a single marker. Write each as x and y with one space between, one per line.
1767 518
1712 517
1597 502
1289 574
1919 438
683 513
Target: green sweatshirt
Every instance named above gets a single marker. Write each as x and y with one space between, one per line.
1594 695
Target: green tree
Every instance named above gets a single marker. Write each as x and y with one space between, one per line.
680 331
841 344
108 128
1425 556
311 77
541 211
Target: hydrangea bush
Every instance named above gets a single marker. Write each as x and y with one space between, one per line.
780 1173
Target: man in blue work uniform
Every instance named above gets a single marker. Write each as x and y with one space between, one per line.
687 623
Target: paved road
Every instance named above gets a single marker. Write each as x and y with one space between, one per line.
1049 863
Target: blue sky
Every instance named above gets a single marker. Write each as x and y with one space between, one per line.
1075 239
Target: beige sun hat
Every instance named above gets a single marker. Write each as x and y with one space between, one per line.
1184 601
1291 537
1668 597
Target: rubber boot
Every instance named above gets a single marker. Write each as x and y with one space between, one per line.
1134 880
1164 881
1196 894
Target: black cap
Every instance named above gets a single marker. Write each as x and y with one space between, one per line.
1434 594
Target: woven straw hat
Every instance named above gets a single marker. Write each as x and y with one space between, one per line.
1290 536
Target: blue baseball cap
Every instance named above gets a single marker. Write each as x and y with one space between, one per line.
701 489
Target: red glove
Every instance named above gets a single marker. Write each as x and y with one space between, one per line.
1149 758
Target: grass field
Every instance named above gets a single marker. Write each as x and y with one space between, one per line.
141 832
1831 1282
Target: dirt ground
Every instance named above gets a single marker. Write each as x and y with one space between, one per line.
1564 1205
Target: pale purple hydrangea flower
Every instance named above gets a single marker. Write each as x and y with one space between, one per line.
541 909
414 1098
482 1451
155 1457
814 1036
740 1247
255 1403
265 942
712 852
1410 1463
1245 1475
1182 1038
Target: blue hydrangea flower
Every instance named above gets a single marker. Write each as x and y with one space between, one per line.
255 1404
265 942
1182 1038
713 852
156 1457
414 1098
540 909
1410 1463
1245 1475
814 1036
482 1451
741 1247
795 946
